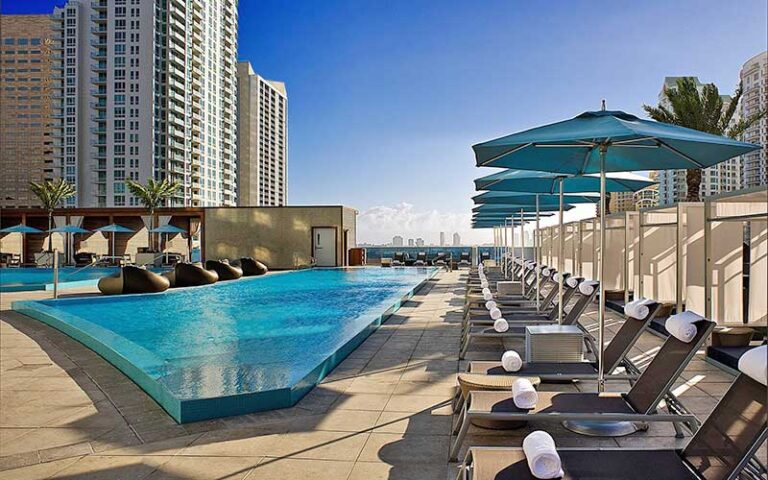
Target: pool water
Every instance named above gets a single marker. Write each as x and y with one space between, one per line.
235 347
24 279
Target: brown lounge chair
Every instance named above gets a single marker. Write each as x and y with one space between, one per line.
614 357
638 406
517 323
474 298
722 449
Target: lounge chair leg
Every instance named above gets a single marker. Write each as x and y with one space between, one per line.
454 455
458 400
464 347
678 430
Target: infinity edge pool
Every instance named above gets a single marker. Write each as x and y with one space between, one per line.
191 410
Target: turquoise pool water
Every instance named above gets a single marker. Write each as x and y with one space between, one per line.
235 347
25 279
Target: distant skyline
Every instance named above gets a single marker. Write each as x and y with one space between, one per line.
386 100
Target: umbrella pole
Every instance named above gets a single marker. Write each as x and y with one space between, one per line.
601 277
522 253
536 248
560 262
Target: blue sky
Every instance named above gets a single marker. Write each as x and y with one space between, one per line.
386 98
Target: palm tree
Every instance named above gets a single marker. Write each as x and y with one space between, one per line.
153 195
51 193
701 110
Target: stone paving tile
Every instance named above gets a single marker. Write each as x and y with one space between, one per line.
384 412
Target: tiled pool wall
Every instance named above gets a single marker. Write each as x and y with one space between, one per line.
185 411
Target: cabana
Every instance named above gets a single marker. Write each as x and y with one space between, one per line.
621 232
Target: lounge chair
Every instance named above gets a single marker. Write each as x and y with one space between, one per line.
399 258
478 373
723 448
84 258
421 259
464 260
440 260
517 305
637 406
485 256
475 299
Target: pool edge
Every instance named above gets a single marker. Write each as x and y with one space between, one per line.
186 411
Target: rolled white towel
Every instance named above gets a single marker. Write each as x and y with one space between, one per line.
511 361
638 309
541 455
487 296
546 272
486 290
753 363
557 277
484 283
490 305
681 326
587 288
495 313
523 394
572 282
500 325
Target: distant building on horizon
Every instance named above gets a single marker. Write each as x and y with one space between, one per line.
397 241
26 154
442 239
754 80
411 242
720 178
456 239
419 242
262 156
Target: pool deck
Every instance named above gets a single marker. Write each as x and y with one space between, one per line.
383 413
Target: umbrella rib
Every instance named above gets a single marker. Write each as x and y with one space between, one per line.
634 140
681 154
516 149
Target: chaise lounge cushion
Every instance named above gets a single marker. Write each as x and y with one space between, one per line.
224 269
193 275
251 267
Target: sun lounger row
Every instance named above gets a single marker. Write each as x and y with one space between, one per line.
503 394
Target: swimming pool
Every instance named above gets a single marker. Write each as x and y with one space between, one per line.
26 279
235 347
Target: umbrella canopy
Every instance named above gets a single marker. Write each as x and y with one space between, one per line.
20 229
546 182
168 228
628 143
514 209
514 198
114 228
69 229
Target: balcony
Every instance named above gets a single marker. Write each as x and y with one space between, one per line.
100 5
100 17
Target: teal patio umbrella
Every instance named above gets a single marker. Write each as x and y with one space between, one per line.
114 229
22 229
600 142
66 230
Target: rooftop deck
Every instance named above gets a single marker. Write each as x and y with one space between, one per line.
383 413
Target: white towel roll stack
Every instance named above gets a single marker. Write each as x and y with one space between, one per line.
572 282
487 296
541 455
681 326
495 313
511 361
490 305
755 364
523 394
587 288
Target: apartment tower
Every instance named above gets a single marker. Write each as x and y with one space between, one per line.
26 154
723 177
262 142
754 82
147 90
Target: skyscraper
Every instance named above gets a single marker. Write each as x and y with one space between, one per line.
723 177
419 242
147 89
754 80
25 108
442 239
456 239
397 241
411 242
262 143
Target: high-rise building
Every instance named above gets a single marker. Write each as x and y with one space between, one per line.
621 202
456 239
723 177
411 242
147 89
419 242
25 108
754 82
262 143
442 239
647 197
397 241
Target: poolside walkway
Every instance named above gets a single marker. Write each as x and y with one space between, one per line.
382 414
